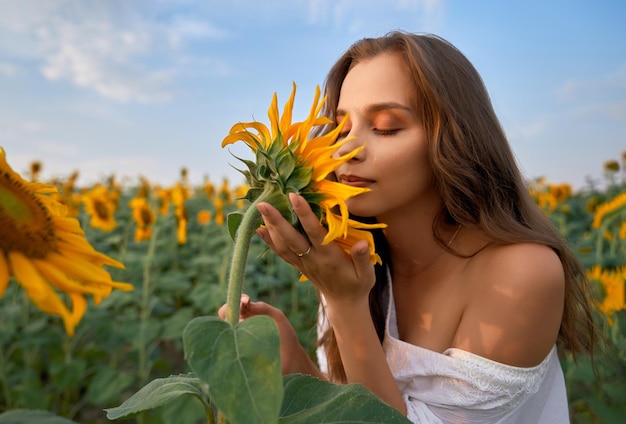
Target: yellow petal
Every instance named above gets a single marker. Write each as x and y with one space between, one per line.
38 289
70 225
121 286
57 278
285 120
79 306
93 256
80 270
4 274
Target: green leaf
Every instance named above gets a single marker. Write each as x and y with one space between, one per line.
107 384
157 393
32 416
241 364
233 220
607 414
174 325
311 400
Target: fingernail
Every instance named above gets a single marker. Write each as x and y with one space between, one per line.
294 199
261 207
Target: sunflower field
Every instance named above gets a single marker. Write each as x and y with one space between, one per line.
167 250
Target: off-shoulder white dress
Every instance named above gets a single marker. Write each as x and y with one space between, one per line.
457 386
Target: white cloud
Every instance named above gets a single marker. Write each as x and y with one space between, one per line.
112 48
528 130
610 84
353 14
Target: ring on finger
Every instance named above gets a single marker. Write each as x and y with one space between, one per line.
305 253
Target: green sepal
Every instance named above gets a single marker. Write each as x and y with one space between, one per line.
253 193
285 163
299 179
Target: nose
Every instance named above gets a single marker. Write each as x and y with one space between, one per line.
351 142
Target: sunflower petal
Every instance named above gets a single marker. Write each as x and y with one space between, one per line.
38 289
4 274
57 278
79 306
80 270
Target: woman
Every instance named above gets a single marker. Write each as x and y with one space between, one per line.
461 322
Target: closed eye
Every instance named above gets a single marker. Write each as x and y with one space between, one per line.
386 132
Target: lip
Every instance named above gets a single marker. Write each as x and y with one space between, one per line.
355 181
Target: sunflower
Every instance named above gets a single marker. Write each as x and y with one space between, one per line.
46 251
612 284
100 206
180 193
288 160
203 217
608 208
218 203
144 218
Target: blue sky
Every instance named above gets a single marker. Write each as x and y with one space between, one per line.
147 87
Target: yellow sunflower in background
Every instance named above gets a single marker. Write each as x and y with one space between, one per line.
180 193
144 218
100 206
289 160
613 285
203 217
45 250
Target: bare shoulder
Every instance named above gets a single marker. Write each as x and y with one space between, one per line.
528 267
515 303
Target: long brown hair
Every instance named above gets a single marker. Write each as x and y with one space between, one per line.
474 169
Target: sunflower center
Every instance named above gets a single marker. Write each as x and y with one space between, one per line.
101 209
25 223
146 216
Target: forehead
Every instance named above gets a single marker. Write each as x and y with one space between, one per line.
381 79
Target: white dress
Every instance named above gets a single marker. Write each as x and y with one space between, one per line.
457 386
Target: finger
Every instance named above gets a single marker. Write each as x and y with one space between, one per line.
310 222
221 312
243 305
266 237
361 258
262 308
283 238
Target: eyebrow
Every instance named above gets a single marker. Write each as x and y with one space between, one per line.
377 107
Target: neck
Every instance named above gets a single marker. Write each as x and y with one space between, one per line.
411 258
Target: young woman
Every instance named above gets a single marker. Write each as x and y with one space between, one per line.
462 320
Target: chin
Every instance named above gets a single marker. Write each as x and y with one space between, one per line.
360 208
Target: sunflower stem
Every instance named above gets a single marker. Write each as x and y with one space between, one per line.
246 230
275 196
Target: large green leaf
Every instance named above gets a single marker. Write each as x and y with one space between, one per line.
27 416
311 400
240 363
159 392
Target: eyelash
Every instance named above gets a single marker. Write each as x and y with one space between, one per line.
386 132
376 131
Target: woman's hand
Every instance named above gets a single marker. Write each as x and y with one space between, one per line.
293 356
340 277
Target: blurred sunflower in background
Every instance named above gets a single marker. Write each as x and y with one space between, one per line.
45 250
144 218
100 206
289 160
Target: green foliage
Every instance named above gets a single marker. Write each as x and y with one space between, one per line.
18 416
128 354
240 364
132 338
